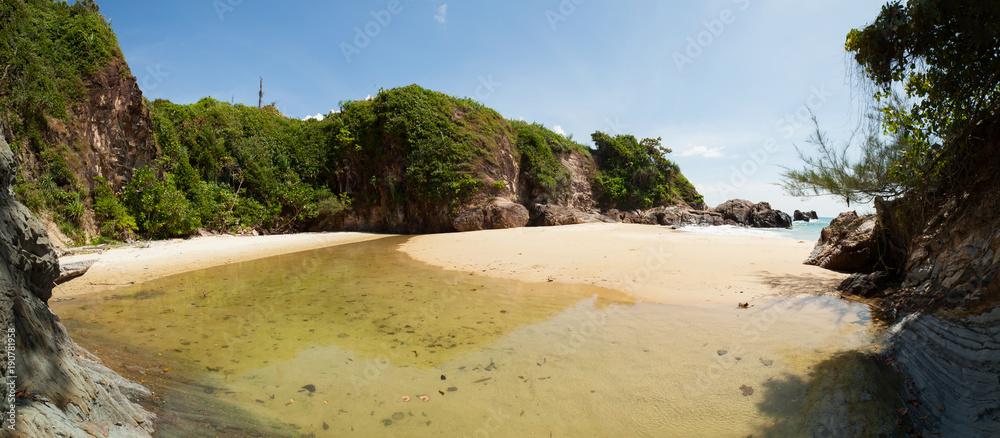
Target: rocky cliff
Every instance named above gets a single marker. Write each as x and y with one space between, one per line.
54 387
932 262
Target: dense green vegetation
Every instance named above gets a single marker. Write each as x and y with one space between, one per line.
231 168
944 56
228 167
540 148
46 50
638 174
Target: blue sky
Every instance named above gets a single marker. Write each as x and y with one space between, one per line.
725 83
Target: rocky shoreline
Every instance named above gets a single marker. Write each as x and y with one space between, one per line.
61 390
940 289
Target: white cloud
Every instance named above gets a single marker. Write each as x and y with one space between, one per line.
442 13
320 116
558 130
703 151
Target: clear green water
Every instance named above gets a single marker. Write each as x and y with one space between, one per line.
327 342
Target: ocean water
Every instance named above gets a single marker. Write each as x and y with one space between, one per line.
806 231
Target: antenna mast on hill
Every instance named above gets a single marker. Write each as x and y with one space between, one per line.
260 97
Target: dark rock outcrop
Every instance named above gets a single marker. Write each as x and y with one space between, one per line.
735 210
851 244
68 391
865 285
804 216
759 215
763 216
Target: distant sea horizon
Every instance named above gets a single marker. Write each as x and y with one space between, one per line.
801 230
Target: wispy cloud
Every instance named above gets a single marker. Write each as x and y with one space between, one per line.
703 151
442 13
559 130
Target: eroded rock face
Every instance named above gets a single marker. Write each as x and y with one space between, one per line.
69 392
736 210
116 125
547 215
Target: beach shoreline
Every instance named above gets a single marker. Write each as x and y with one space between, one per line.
156 259
649 263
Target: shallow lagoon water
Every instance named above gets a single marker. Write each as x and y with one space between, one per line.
327 343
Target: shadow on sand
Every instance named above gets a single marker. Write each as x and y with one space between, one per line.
850 394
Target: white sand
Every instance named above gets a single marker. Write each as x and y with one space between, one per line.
122 266
650 263
653 264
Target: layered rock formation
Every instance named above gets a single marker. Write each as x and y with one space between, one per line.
942 290
952 369
61 390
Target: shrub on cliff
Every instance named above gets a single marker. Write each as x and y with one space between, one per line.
115 221
160 209
638 174
240 167
439 144
540 149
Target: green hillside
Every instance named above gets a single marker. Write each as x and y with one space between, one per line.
408 153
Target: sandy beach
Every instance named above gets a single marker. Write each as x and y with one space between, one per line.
151 260
653 264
